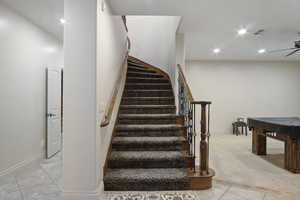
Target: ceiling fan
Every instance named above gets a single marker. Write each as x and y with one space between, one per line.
293 50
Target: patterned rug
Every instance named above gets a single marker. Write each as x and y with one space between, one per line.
166 196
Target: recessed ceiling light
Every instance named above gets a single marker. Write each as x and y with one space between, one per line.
242 31
217 50
261 51
62 21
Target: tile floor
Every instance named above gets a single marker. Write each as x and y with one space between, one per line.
37 181
240 176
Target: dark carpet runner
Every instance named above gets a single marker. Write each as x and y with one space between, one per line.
149 149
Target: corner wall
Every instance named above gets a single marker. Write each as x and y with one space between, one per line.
245 89
26 51
153 40
112 50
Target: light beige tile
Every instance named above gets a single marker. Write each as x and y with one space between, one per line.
243 193
16 195
54 170
33 178
8 183
42 192
281 196
214 193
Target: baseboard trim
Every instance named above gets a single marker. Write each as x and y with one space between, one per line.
80 195
21 164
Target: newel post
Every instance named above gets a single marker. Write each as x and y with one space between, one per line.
204 143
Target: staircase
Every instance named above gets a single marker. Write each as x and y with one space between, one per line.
149 146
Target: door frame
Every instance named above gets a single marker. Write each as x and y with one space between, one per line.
46 110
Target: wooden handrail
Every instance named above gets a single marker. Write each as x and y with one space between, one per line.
125 22
189 92
109 109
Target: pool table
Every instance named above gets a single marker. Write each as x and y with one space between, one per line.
286 129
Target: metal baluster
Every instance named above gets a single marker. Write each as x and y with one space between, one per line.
208 133
194 130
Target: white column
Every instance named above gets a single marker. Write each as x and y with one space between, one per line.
79 154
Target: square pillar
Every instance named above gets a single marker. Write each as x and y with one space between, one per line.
80 122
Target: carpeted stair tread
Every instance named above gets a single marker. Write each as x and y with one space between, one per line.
136 65
146 116
148 86
148 101
149 151
146 179
148 143
146 155
147 109
174 143
148 175
146 159
148 93
139 127
148 106
143 74
147 119
146 80
148 98
155 84
139 69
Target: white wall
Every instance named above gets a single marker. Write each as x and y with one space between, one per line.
95 47
180 59
245 89
80 100
25 52
153 40
112 48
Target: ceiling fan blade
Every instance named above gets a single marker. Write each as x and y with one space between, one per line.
279 50
292 52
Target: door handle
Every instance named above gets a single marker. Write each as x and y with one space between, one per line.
51 115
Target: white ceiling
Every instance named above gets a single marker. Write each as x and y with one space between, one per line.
44 13
209 24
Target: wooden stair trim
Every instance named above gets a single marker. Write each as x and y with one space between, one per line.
109 109
159 71
186 85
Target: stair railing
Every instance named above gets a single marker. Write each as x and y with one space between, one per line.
187 108
109 109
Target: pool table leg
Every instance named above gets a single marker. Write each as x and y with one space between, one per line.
292 155
259 143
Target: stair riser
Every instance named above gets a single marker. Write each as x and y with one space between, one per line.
150 147
143 75
137 65
147 87
147 186
133 101
147 121
148 133
175 163
143 93
138 80
147 111
137 69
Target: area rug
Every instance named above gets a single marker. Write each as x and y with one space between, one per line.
167 196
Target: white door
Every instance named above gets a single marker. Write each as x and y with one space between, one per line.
54 127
